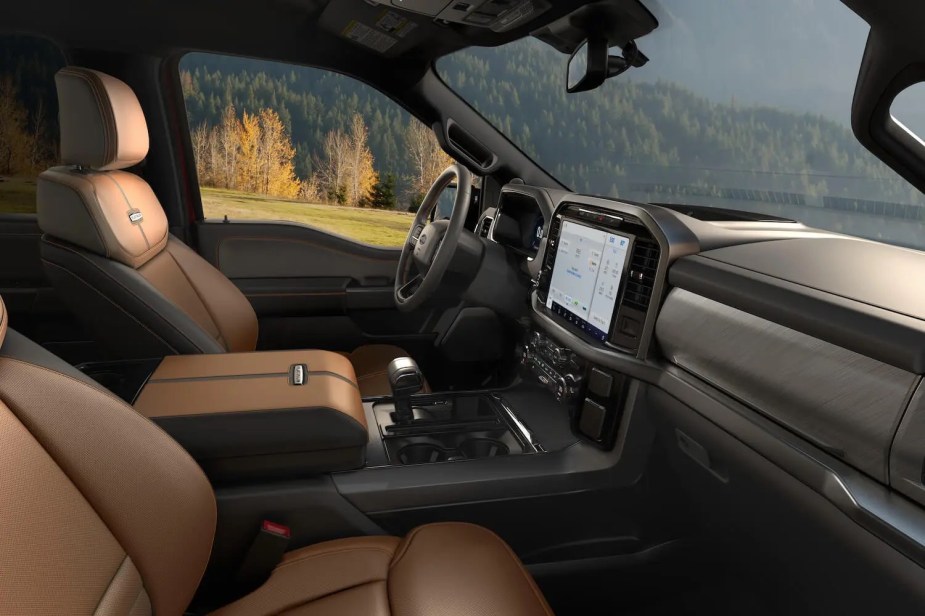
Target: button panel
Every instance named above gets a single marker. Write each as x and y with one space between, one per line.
555 367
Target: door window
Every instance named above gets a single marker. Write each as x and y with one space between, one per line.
28 118
279 142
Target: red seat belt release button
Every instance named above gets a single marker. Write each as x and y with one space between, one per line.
276 529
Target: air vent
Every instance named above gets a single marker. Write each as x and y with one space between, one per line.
641 278
553 241
484 227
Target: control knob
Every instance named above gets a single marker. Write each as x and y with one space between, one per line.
560 355
566 387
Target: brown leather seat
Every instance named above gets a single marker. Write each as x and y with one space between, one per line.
107 248
104 514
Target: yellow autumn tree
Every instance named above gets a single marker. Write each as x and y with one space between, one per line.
362 172
276 170
251 154
248 172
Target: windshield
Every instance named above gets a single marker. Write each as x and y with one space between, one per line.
742 106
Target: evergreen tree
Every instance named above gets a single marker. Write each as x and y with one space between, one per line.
382 194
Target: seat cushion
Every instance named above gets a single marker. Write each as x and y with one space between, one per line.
448 569
371 362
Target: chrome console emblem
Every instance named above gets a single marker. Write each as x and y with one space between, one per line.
298 374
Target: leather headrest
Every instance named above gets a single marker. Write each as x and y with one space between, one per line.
4 321
102 124
114 214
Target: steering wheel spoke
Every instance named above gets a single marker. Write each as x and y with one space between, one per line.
408 289
415 235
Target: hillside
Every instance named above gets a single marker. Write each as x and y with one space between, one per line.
643 129
605 141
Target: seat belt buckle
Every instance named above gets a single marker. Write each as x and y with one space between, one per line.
265 553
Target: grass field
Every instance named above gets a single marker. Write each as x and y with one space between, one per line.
17 195
377 227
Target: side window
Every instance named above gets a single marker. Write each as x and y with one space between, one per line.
279 142
28 118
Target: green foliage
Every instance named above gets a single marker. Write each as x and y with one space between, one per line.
612 141
309 101
382 195
338 195
632 132
414 202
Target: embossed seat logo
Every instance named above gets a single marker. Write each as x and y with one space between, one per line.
297 374
136 216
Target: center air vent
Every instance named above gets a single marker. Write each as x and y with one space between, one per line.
641 276
553 241
484 226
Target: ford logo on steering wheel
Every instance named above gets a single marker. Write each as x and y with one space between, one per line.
423 239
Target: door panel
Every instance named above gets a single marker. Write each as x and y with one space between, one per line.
289 250
35 309
310 288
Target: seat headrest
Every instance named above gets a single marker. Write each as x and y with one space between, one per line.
102 124
114 214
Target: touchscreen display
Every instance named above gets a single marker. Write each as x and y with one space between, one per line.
586 277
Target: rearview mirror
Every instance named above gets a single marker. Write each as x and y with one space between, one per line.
591 64
587 67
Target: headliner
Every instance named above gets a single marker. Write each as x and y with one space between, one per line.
296 31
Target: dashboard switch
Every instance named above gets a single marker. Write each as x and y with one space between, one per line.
591 423
600 383
630 327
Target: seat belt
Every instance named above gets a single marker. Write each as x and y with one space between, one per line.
265 553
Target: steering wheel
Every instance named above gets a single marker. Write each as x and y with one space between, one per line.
430 246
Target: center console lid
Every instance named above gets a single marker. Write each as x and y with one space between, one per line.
260 415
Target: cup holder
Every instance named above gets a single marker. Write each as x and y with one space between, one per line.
422 453
483 448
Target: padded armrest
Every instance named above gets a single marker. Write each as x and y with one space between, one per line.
260 415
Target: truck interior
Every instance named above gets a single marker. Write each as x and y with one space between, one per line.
682 377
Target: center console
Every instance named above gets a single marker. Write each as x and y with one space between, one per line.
247 416
596 283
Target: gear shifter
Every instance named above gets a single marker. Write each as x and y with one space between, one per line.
405 379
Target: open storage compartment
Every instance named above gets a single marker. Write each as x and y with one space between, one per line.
450 428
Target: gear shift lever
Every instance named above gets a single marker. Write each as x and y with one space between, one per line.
405 379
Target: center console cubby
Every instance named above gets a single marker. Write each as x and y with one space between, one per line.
451 427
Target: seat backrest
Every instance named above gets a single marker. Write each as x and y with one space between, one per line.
102 512
107 248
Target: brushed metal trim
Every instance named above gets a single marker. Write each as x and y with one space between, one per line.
845 403
907 456
517 425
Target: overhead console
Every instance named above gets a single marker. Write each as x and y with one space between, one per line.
498 15
598 275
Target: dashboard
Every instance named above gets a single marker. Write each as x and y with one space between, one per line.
618 286
774 331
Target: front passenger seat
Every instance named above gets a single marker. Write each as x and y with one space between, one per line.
107 250
103 513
